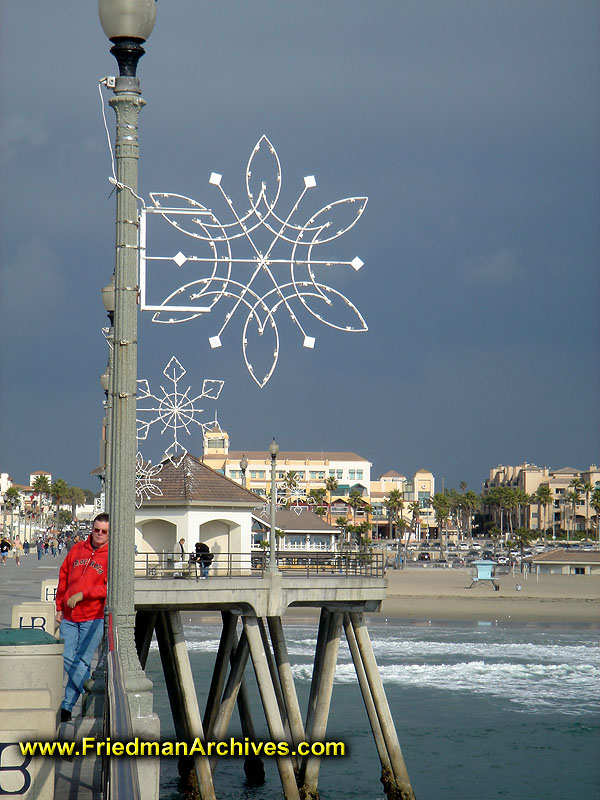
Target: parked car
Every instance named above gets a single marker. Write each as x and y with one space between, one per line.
424 557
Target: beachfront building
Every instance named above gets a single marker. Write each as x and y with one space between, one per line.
311 469
566 562
420 488
299 530
560 513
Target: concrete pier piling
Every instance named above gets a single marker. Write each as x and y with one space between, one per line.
260 604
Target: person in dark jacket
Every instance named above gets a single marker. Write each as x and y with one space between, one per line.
202 557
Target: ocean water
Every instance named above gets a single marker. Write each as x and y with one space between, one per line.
481 710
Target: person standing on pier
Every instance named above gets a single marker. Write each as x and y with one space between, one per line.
80 600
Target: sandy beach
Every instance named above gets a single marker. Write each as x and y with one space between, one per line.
444 594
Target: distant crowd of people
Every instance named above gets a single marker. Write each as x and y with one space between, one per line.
49 543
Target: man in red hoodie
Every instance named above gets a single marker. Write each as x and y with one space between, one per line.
80 601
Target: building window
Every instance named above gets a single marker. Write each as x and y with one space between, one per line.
332 473
280 476
424 499
339 474
352 474
359 474
235 473
579 570
257 474
300 475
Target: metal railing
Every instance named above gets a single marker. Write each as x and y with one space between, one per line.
120 777
158 566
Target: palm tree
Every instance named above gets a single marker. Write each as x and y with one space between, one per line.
595 504
522 537
441 507
355 501
342 524
543 497
573 498
587 488
42 486
58 490
318 494
77 498
394 505
331 486
12 498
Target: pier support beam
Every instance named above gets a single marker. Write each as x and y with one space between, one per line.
323 675
402 790
230 694
286 678
269 701
182 694
253 766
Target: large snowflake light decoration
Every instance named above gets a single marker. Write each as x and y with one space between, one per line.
260 282
174 410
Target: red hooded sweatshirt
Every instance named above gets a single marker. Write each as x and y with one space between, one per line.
83 570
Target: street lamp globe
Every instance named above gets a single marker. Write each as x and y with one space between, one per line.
108 296
273 449
127 19
104 379
127 23
243 463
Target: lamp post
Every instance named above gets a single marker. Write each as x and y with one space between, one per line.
127 23
108 300
273 450
244 467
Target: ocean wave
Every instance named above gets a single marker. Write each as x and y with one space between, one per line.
561 688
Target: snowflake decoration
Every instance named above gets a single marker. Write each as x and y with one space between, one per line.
289 495
175 410
271 283
146 480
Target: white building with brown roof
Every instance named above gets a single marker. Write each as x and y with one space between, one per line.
566 562
195 503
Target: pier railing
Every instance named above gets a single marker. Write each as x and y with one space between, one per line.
255 564
120 776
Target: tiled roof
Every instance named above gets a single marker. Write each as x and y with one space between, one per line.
392 474
195 482
292 455
565 470
288 520
561 556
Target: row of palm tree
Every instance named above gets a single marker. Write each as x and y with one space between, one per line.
60 492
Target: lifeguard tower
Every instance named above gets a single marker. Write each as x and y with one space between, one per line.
485 572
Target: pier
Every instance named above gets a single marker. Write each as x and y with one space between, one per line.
252 605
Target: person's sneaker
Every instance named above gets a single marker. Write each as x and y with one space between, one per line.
65 715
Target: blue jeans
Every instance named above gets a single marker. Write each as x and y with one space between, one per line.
81 642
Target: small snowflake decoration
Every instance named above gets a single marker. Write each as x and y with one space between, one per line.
146 481
289 495
175 410
258 283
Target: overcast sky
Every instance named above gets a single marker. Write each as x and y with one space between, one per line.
473 130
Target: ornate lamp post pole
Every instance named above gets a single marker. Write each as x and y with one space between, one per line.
273 449
244 467
127 23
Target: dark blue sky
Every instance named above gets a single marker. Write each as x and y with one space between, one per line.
472 128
